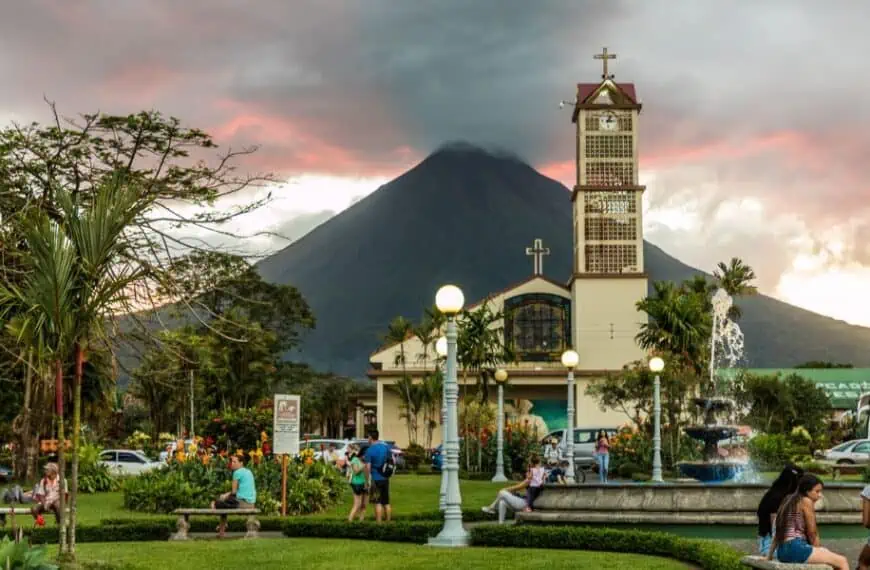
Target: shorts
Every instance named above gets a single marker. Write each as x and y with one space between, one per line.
382 492
794 551
358 489
764 544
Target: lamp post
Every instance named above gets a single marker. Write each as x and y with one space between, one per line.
570 359
441 350
501 377
656 365
449 301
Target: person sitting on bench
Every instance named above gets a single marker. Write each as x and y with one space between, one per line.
46 495
243 495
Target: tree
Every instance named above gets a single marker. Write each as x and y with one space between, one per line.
735 278
481 347
778 404
399 331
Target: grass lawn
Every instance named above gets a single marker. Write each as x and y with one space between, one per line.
311 554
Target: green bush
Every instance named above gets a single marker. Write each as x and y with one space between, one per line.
311 487
398 531
815 468
23 557
237 428
770 452
94 477
132 531
414 456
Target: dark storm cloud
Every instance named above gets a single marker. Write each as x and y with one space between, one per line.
765 99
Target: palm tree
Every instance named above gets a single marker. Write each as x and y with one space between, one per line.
76 274
398 331
481 347
678 322
735 278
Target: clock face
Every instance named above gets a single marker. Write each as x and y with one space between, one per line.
608 122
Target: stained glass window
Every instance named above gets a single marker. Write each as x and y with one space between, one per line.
538 326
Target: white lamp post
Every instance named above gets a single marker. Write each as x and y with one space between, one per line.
656 365
449 301
441 349
570 359
501 377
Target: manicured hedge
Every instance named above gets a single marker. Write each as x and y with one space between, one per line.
131 531
708 554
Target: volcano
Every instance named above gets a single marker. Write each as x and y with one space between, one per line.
465 215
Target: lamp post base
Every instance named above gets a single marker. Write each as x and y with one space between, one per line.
499 478
450 538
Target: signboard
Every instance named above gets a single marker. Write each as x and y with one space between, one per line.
287 418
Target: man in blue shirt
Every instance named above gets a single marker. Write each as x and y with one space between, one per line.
376 456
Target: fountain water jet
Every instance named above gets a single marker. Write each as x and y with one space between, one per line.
726 346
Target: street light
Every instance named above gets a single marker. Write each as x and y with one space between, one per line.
449 301
656 365
501 377
570 359
441 349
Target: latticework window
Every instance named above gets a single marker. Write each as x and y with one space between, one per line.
610 203
538 326
608 146
606 258
609 173
624 122
623 228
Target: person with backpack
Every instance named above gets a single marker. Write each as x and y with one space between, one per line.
380 466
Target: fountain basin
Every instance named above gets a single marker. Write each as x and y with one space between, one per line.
715 472
677 503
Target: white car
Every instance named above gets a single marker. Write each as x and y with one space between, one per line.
320 445
127 461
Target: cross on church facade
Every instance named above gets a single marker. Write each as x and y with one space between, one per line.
538 251
604 56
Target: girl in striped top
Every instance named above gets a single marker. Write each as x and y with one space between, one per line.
796 537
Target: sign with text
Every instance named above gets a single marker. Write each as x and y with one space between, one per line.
287 419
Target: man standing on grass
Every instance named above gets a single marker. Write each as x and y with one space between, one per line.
379 468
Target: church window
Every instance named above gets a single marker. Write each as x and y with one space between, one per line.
609 174
611 258
623 228
610 203
609 146
538 326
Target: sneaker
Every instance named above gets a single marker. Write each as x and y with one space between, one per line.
488 510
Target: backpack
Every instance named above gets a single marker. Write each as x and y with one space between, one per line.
389 466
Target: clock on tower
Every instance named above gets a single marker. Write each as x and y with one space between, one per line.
608 277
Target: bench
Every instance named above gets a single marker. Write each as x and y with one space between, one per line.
762 563
183 524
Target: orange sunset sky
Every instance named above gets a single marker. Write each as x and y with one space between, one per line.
753 135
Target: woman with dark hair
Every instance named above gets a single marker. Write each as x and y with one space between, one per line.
796 537
785 485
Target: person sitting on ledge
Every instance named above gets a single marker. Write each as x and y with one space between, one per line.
785 485
796 536
533 482
556 475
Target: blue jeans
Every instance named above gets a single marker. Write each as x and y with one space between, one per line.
603 466
794 551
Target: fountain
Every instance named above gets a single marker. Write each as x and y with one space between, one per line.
726 344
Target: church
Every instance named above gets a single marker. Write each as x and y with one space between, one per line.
593 313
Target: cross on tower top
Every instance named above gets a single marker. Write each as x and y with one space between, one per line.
538 251
604 56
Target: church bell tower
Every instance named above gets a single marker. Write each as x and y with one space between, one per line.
608 277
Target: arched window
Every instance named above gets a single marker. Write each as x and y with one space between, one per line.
538 326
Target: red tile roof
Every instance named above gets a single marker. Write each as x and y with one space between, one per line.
584 90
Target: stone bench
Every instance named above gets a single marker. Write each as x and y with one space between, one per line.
183 524
762 563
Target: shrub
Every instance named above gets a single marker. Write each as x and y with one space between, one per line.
414 455
626 470
770 452
238 428
22 557
132 531
195 482
815 468
94 477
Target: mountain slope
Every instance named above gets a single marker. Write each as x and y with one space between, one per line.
465 216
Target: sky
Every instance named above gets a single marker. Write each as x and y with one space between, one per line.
753 136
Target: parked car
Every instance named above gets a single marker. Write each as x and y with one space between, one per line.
584 443
854 452
318 445
128 461
6 473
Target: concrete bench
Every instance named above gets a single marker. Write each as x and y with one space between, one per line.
762 563
183 524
